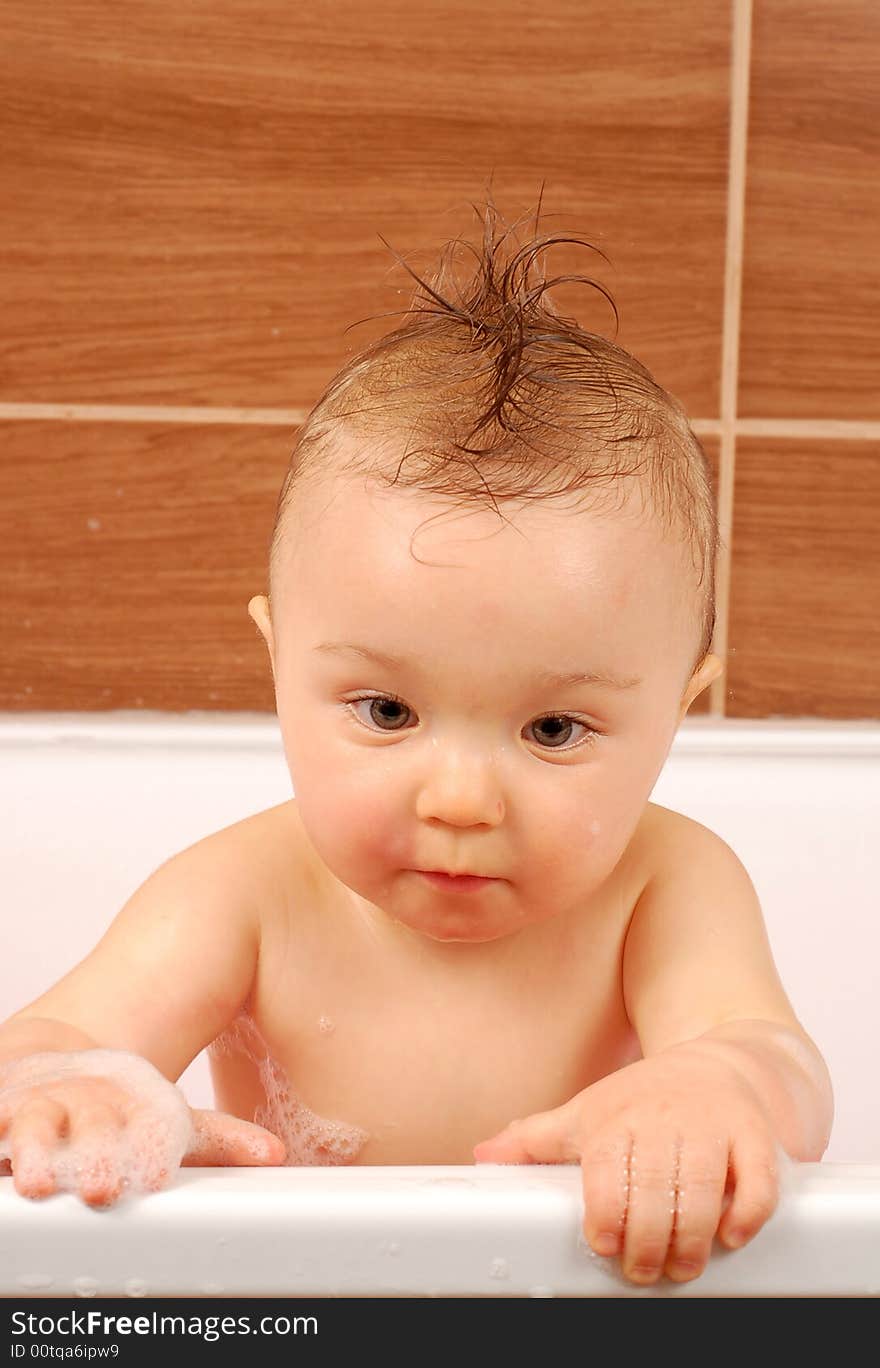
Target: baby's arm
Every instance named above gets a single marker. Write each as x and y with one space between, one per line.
87 1098
688 1141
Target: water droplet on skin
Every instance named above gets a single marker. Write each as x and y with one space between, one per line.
94 524
325 1025
499 1268
85 1287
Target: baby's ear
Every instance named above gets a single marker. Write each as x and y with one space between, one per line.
258 609
705 674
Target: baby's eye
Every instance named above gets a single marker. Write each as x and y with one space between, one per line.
552 730
559 730
383 708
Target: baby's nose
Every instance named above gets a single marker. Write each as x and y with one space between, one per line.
462 796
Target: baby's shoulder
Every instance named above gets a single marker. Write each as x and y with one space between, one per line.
244 870
664 837
269 849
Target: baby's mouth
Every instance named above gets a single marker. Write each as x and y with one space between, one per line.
456 883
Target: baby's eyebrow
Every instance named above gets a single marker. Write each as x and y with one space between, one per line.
544 678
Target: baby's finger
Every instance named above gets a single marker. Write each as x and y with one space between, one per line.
32 1138
650 1206
221 1139
605 1183
95 1134
756 1192
697 1192
5 1118
156 1140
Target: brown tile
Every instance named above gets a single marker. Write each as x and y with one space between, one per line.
193 197
129 562
711 446
811 276
804 638
130 555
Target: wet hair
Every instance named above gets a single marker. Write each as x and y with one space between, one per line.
485 393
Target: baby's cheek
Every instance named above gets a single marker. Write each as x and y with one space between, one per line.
357 834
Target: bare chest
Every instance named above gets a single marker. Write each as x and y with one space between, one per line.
354 1055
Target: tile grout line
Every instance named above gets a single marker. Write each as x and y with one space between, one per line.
843 429
730 338
854 430
152 413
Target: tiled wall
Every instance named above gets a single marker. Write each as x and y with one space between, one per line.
192 202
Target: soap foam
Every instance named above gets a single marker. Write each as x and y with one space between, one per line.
138 1154
310 1140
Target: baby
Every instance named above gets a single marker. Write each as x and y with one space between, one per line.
470 936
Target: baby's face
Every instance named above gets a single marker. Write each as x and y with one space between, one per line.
461 757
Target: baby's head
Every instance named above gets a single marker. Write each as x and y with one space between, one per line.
486 500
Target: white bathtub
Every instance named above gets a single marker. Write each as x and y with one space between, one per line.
90 806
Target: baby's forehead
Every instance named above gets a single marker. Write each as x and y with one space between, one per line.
349 537
368 514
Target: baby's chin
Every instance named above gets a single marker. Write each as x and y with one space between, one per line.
443 928
434 920
474 936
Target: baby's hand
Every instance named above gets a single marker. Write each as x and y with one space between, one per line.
672 1149
103 1122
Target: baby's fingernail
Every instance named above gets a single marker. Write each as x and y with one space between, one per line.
606 1243
735 1239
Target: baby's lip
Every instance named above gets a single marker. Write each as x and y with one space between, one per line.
459 874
